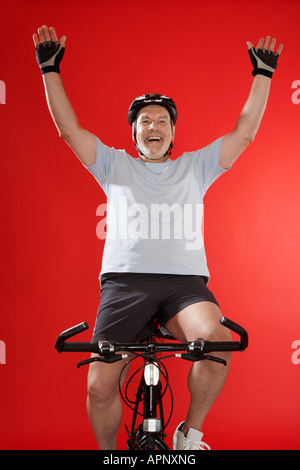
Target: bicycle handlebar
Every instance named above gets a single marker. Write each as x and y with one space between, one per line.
61 345
108 349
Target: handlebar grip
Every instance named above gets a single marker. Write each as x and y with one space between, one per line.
237 329
80 347
68 333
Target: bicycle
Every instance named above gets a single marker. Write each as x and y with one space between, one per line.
150 434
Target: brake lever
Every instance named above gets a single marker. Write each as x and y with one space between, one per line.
108 358
194 357
215 359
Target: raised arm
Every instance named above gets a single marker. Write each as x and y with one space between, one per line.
49 53
264 62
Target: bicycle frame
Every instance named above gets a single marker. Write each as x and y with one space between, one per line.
150 435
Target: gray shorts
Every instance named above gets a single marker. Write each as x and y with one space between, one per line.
129 300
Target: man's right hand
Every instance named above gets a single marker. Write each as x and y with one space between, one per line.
49 51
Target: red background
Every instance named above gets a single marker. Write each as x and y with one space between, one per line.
50 256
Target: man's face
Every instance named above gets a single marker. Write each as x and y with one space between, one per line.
154 133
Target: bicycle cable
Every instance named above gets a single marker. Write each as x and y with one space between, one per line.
164 373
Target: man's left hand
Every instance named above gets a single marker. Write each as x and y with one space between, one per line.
263 58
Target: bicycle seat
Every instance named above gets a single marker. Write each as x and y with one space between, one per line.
159 331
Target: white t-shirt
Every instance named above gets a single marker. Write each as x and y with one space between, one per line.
154 213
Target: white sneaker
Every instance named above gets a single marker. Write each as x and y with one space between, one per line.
192 441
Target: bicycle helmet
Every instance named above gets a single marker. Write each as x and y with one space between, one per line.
155 99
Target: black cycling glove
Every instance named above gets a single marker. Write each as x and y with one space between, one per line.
264 61
49 55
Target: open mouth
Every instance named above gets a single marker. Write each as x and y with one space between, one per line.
154 139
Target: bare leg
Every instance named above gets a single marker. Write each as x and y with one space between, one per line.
206 378
104 406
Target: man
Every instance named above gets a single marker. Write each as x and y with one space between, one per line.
154 260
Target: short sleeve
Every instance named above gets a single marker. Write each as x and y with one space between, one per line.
102 168
207 164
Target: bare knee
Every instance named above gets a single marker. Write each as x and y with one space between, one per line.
214 331
102 384
199 320
104 380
